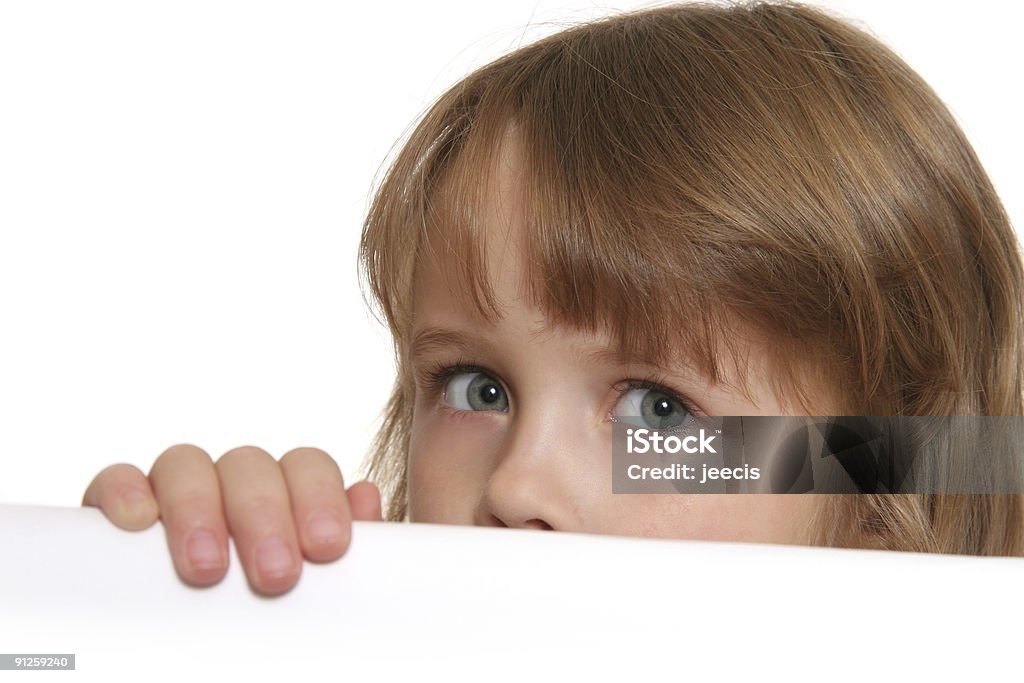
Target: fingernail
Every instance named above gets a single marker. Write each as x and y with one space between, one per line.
134 497
324 528
203 550
273 557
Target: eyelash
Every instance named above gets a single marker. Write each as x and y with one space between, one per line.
433 379
658 384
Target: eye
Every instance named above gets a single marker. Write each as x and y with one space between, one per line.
475 391
651 408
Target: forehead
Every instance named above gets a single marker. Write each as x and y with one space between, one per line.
494 258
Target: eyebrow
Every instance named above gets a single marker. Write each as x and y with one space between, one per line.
431 339
434 338
621 357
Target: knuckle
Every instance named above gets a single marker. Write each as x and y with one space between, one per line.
195 499
305 454
241 454
325 493
316 498
191 509
260 502
311 470
260 509
115 475
181 453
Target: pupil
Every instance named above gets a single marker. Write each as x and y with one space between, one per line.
489 393
663 407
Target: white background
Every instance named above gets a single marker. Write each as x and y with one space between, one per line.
181 191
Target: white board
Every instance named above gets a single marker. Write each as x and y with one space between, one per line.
465 603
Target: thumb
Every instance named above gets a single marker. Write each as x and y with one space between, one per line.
124 495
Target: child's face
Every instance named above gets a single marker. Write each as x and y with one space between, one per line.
513 420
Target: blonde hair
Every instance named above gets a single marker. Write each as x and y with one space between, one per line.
702 164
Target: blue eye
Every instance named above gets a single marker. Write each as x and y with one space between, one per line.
650 408
475 391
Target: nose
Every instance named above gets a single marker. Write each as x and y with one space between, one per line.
531 485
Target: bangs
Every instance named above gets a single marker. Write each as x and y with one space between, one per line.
597 256
680 188
641 187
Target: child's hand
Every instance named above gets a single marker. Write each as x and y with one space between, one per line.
271 508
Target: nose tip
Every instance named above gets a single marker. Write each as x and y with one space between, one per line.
516 499
527 486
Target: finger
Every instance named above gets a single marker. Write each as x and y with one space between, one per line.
185 482
364 499
123 493
319 505
259 516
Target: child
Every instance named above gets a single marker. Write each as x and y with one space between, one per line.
744 210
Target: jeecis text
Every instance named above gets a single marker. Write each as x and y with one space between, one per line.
644 441
680 472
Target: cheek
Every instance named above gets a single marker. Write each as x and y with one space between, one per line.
448 464
716 517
